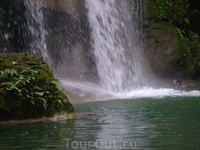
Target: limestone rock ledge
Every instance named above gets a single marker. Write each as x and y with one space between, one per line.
28 89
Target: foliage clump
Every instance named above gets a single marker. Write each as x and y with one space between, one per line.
30 91
174 12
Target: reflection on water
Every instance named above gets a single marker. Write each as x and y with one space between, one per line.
168 123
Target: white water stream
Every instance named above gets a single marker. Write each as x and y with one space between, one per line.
35 20
119 53
116 40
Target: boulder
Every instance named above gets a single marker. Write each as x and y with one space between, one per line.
28 89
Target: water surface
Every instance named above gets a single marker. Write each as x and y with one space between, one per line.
145 123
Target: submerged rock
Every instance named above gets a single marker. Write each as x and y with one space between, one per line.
28 88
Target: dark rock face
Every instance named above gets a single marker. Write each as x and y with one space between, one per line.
28 88
162 48
13 26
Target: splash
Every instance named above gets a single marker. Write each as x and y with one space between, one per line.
158 93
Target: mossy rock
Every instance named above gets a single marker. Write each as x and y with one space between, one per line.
28 88
22 61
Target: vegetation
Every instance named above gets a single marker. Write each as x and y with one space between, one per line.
175 12
181 14
30 93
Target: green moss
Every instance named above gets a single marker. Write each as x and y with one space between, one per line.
30 89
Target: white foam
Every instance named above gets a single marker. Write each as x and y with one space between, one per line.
149 92
96 92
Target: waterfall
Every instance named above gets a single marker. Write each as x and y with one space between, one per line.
35 21
101 43
59 38
95 47
118 49
115 39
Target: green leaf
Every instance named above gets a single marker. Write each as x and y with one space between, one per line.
39 93
32 102
45 105
37 88
60 102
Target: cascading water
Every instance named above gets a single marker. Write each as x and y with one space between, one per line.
35 20
59 38
118 50
65 41
117 42
117 46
